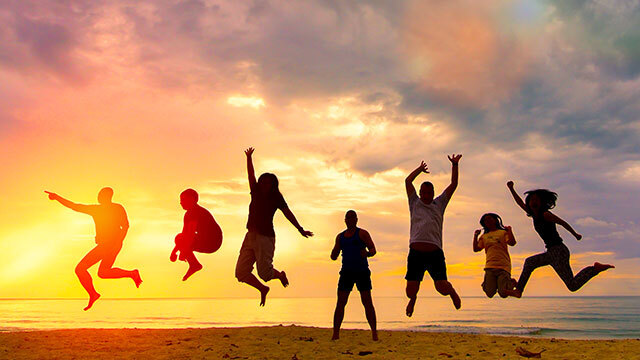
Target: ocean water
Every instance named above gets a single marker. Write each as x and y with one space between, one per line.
561 317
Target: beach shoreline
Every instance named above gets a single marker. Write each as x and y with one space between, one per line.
295 342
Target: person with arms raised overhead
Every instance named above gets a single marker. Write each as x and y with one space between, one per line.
425 242
356 246
200 233
111 227
259 243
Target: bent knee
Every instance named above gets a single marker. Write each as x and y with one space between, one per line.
502 294
489 294
266 274
80 269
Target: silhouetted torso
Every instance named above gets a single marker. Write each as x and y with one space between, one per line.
109 218
352 259
547 231
261 211
206 226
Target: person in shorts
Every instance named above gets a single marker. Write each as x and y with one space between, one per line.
495 242
356 246
425 242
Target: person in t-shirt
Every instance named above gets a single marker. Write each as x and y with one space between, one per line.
356 246
495 242
200 233
259 243
425 242
111 228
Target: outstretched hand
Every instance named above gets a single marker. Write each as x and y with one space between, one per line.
578 237
306 233
510 184
423 167
249 151
52 195
454 158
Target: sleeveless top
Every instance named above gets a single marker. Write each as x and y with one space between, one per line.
352 259
547 231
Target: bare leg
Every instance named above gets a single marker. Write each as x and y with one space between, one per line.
88 261
107 271
252 280
174 254
412 294
194 264
445 288
370 312
338 315
282 276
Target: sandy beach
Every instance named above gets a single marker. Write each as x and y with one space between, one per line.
294 342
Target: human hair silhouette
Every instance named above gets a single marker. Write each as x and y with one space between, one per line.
356 246
425 241
111 228
200 233
258 246
537 205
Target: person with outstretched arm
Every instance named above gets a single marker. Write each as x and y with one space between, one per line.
111 228
425 242
537 205
259 242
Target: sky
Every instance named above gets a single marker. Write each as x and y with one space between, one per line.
341 99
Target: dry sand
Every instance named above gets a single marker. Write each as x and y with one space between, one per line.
294 342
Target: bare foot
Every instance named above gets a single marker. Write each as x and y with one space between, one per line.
92 299
173 257
456 300
192 270
283 279
374 335
602 267
517 293
335 336
263 295
136 278
410 306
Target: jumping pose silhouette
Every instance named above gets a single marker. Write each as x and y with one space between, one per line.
111 228
200 233
495 242
259 243
425 248
537 205
356 246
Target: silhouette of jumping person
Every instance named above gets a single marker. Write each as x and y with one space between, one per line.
200 233
425 242
356 246
259 243
537 205
111 227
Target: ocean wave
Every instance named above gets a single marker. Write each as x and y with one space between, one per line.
494 330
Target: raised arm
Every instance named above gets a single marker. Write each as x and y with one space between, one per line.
70 204
336 249
292 219
516 197
408 182
454 174
511 240
368 242
553 218
476 243
250 171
